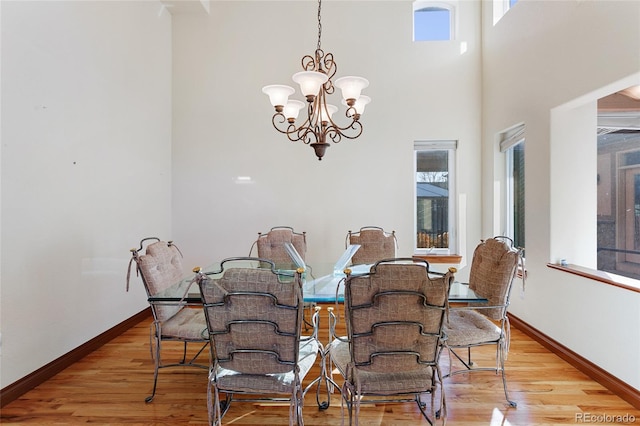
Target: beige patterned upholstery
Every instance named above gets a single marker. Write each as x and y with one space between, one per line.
271 245
493 270
375 244
160 267
254 319
394 319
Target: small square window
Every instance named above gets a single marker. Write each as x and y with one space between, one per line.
432 24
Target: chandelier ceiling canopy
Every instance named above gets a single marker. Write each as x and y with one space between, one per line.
316 84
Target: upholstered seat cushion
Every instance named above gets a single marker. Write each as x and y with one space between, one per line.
188 324
268 383
381 383
468 327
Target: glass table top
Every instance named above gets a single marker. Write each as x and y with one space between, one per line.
323 289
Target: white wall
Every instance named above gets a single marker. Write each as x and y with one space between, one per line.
545 64
86 169
222 124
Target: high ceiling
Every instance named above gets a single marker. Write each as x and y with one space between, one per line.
620 112
619 101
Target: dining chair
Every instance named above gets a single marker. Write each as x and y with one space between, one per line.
493 270
375 244
271 246
254 319
160 266
394 319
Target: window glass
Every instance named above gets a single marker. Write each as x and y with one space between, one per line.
515 194
434 209
431 23
618 221
501 7
512 145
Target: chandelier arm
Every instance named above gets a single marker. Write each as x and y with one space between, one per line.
330 68
306 132
314 119
309 63
336 133
307 135
332 129
293 133
352 113
329 128
332 133
277 120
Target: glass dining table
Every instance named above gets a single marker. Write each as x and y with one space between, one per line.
328 288
324 289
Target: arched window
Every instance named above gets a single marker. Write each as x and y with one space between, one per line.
433 21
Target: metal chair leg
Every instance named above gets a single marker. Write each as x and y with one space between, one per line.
155 373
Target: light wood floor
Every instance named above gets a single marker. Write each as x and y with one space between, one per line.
109 387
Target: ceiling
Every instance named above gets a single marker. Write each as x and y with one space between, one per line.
620 112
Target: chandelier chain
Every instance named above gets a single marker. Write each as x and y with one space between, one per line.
319 22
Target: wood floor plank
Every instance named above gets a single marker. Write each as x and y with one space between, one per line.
109 386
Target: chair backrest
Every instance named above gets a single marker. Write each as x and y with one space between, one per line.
254 318
493 269
395 316
375 244
271 245
160 267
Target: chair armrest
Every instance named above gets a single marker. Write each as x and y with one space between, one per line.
333 321
315 323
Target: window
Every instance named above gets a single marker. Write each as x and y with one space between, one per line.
512 144
618 222
501 7
434 200
594 200
432 21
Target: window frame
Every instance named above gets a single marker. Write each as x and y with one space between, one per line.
509 139
451 147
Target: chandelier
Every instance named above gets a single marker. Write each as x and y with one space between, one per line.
316 84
